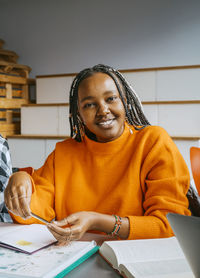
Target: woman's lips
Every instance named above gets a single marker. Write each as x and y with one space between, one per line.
107 123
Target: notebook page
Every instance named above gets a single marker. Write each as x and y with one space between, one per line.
8 227
28 237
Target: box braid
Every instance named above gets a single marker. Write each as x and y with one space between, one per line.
132 105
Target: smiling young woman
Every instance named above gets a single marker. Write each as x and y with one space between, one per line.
117 174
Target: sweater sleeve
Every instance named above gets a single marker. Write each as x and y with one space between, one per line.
5 172
42 200
165 181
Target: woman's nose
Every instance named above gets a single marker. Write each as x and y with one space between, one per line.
103 109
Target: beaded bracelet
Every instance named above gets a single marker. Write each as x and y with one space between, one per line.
118 223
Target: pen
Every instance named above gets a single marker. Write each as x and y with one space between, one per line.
39 218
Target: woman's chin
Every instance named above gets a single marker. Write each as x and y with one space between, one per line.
108 135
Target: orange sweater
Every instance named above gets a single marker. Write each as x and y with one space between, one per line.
140 175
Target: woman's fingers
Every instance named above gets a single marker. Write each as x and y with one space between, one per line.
70 220
18 194
73 232
24 206
69 227
15 206
25 199
72 227
19 203
58 230
59 233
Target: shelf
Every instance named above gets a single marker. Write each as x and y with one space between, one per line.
20 136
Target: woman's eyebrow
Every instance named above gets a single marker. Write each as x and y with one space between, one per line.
110 92
91 97
86 98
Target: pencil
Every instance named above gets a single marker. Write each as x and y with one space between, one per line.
39 218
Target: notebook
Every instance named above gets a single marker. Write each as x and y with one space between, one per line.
25 238
53 261
187 231
49 260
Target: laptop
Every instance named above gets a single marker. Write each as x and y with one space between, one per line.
187 232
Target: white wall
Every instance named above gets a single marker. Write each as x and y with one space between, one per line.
65 36
30 152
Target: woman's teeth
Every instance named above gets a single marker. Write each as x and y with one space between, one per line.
106 123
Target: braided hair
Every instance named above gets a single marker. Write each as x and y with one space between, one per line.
133 108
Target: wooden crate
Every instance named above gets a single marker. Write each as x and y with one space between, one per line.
13 94
9 122
8 56
10 104
14 91
13 80
9 129
9 116
13 69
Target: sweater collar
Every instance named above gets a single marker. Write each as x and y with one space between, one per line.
108 147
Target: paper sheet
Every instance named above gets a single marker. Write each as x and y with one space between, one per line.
26 237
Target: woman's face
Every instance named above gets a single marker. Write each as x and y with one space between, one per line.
100 107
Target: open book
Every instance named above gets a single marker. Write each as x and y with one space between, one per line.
52 261
161 258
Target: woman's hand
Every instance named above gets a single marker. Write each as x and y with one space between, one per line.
75 225
18 193
72 227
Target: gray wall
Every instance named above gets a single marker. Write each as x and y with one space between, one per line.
64 36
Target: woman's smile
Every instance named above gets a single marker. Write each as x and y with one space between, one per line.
106 123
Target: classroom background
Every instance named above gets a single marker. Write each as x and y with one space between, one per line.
154 43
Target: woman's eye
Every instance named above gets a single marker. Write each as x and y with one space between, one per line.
113 98
88 105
